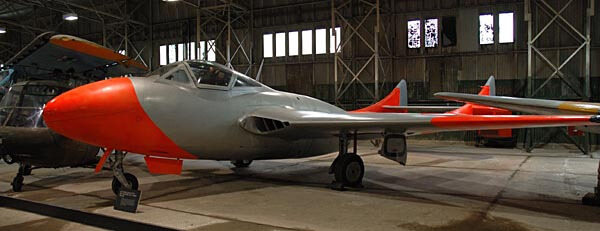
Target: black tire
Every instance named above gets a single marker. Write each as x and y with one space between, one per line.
116 184
17 183
349 170
8 159
241 163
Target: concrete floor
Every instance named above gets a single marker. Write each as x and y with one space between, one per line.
443 187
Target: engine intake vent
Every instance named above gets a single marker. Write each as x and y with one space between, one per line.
269 125
261 125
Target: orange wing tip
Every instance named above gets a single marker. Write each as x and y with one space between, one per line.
163 165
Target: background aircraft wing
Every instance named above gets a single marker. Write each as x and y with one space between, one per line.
534 106
50 56
288 122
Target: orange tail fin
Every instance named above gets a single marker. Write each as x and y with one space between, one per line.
488 89
398 97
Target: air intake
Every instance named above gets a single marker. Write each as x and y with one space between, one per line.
263 125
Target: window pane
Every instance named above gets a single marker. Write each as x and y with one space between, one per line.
414 34
334 41
320 41
172 53
162 52
268 45
486 29
307 42
202 51
280 44
431 32
192 49
211 48
505 30
181 52
293 37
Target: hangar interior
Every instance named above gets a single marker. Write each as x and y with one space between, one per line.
539 49
352 53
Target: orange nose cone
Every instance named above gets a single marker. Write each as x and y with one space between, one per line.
108 114
84 111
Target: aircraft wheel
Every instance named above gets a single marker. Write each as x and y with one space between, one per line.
241 163
8 159
349 170
17 183
116 184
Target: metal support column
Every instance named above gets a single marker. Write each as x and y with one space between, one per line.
533 9
356 30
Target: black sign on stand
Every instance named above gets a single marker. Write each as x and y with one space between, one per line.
128 200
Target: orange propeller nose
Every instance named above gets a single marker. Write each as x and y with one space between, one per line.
80 113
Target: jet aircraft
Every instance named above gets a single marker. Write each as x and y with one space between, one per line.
204 110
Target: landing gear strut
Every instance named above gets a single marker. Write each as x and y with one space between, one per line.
17 183
122 179
593 198
241 163
348 168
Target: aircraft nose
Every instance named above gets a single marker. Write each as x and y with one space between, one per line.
84 111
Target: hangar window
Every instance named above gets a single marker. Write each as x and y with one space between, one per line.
334 41
320 41
486 29
293 43
172 53
181 52
448 31
279 44
505 27
211 48
163 54
431 32
414 33
307 42
192 49
202 50
268 45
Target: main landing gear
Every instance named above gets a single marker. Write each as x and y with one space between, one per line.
122 179
17 183
593 198
347 168
241 163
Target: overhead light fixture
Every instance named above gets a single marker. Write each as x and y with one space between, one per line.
170 0
70 16
2 30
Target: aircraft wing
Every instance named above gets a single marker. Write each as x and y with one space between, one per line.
427 109
49 56
288 122
533 106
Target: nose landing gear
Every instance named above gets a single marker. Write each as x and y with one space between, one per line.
120 178
17 182
348 168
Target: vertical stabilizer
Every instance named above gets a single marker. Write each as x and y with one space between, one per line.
398 97
488 89
403 93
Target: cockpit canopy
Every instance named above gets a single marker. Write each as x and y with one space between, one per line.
23 104
204 74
